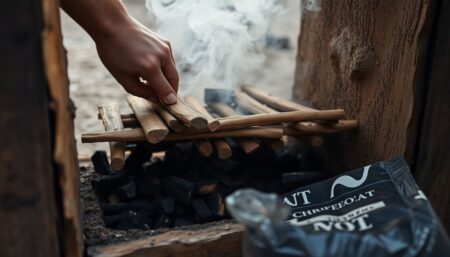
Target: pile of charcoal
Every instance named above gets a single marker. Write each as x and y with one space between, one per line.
185 188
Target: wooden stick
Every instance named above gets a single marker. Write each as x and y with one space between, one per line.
187 115
198 106
112 122
247 145
248 103
221 146
277 118
313 140
276 144
279 103
154 128
139 135
172 122
131 122
275 102
204 147
311 127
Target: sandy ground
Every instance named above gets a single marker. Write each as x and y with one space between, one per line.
91 84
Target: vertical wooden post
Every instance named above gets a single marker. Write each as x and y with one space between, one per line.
366 57
64 149
432 167
29 215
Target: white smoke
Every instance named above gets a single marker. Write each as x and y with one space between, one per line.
215 42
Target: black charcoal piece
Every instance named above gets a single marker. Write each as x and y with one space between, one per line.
275 186
164 221
107 183
137 205
155 168
148 182
261 163
179 188
127 191
289 159
201 209
205 187
180 211
260 185
220 175
101 162
135 220
294 180
167 205
138 157
180 157
219 165
128 220
182 222
216 205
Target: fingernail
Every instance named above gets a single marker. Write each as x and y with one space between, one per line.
171 99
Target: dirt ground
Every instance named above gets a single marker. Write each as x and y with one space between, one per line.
91 84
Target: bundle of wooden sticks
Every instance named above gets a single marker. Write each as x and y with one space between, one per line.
248 116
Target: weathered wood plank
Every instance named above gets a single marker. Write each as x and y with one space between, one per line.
218 241
433 165
28 209
367 57
64 149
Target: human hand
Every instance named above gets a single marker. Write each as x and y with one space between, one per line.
141 61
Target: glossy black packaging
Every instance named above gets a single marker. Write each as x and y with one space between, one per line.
375 211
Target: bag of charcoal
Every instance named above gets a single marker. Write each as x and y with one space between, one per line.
374 211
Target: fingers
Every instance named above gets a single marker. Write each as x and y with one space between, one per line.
135 87
161 86
171 74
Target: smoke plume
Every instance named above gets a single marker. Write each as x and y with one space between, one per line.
215 42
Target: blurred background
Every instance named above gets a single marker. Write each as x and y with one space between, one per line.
91 83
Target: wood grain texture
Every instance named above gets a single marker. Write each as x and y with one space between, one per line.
187 114
193 102
277 118
155 129
221 146
219 241
366 57
432 167
139 135
246 144
112 121
28 206
64 147
276 102
204 147
172 122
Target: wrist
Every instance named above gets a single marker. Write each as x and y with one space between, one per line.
111 24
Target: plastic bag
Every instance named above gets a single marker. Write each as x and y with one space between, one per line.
374 211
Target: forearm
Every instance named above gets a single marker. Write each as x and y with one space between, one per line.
100 18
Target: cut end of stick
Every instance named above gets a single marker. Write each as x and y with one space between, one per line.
214 125
224 155
176 126
204 147
248 145
156 136
199 123
117 164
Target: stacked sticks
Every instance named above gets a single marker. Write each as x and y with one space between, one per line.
262 118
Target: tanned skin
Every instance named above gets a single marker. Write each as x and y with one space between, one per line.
139 59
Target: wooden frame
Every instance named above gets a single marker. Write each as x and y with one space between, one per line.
219 241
